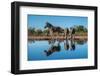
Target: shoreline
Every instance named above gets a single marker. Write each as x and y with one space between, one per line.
56 37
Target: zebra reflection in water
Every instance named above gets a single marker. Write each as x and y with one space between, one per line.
56 47
69 45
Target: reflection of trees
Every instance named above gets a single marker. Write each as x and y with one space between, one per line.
80 42
31 41
69 45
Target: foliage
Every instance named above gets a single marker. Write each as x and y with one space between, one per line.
31 30
79 29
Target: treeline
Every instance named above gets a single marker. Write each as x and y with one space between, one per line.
79 30
34 31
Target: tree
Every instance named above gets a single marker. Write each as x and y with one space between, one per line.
39 32
45 32
31 30
80 28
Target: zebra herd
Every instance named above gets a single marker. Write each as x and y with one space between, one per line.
67 32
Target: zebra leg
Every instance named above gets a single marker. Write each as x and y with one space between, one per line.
71 36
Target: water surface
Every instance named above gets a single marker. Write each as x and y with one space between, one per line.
57 49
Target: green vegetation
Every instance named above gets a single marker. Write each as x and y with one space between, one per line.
79 30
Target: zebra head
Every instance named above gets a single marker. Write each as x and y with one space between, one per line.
48 25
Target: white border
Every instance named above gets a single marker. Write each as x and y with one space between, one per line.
26 65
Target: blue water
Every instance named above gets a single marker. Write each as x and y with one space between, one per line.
43 50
